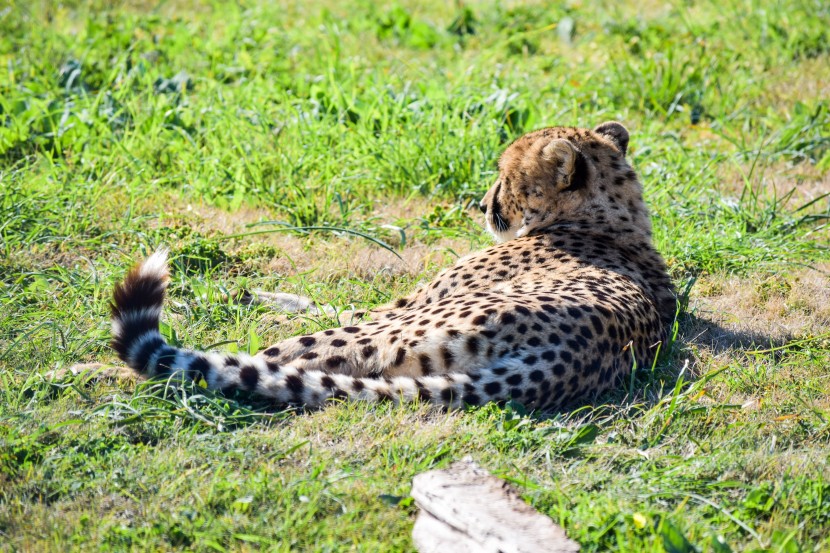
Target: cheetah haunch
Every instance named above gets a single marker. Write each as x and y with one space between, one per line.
572 296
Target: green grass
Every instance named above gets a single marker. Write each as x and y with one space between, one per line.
125 126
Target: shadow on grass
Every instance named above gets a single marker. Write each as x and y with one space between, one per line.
673 373
697 332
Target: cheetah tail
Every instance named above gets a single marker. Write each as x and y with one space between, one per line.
135 312
136 309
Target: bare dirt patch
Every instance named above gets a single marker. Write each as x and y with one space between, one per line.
329 255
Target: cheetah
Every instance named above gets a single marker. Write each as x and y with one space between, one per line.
572 295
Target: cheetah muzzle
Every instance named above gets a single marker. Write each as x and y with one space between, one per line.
572 296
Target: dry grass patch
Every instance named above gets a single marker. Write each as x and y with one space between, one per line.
766 309
802 82
756 327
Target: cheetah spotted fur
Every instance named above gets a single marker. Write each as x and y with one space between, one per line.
573 294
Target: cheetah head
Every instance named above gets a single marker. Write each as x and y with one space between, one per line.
562 174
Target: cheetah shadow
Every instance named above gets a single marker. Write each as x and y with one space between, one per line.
700 332
698 339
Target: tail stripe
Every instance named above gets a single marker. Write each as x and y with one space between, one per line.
143 351
166 359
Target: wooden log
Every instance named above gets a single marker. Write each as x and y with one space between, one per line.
464 509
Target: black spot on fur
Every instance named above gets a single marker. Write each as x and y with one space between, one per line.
423 393
273 351
426 364
383 395
249 376
295 383
308 341
471 399
574 312
514 379
447 356
446 395
200 366
492 388
335 361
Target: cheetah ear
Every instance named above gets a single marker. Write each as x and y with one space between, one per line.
616 133
566 160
